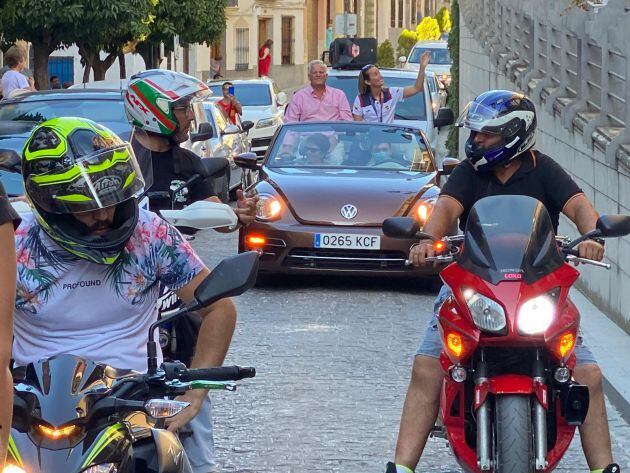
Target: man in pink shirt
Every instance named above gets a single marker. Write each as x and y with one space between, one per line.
318 102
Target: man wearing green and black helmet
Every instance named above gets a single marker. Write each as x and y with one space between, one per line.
159 104
89 261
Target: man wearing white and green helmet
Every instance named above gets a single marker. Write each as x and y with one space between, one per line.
159 104
89 261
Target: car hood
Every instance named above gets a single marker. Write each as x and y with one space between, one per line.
316 196
255 113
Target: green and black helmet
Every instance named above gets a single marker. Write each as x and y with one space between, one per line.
74 165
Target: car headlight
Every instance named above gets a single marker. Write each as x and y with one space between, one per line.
269 207
535 315
11 468
423 208
487 314
102 468
267 122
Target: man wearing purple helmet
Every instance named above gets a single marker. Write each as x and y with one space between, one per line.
501 161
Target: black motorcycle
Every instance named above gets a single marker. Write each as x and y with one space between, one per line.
72 415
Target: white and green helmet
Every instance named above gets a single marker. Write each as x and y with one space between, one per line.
151 96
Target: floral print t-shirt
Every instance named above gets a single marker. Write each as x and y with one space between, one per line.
66 304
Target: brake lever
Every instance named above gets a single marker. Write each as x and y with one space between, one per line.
577 259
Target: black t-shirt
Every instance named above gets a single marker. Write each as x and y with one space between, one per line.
539 177
7 214
176 164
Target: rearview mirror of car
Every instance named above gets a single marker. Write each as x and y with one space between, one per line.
247 161
444 117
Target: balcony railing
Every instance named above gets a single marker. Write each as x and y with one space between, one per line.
574 62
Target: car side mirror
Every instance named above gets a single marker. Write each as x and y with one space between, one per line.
448 166
247 161
204 132
10 161
613 225
402 59
231 130
282 99
444 117
247 125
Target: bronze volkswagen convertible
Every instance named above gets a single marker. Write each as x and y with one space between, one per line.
325 189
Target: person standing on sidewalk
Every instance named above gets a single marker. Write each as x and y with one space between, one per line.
317 101
264 59
9 220
377 103
13 79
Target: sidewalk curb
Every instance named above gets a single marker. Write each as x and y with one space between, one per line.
611 347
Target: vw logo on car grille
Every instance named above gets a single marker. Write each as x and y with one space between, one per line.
348 211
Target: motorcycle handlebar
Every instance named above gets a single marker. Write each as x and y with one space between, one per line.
224 373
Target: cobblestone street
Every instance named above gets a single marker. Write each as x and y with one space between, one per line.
333 359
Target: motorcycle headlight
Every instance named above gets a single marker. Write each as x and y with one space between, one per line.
535 315
11 468
269 207
266 122
487 314
102 468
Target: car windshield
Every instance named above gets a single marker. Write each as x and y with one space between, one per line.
247 94
438 55
350 146
411 108
110 113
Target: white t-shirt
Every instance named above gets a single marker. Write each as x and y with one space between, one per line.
68 305
12 80
372 110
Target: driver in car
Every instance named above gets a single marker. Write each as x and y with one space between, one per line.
501 161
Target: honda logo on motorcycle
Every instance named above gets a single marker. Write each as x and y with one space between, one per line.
349 211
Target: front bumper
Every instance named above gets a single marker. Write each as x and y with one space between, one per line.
289 249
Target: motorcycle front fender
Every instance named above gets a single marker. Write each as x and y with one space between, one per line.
161 453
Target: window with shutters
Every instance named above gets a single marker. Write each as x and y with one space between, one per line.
288 40
242 49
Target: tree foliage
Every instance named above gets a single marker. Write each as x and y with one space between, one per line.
194 21
443 18
406 41
428 29
452 142
385 54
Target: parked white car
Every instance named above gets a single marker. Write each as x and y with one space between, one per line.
414 111
263 104
438 92
440 62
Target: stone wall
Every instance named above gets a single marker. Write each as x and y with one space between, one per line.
559 57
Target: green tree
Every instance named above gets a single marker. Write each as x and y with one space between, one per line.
51 24
406 40
385 54
195 21
443 18
452 142
428 29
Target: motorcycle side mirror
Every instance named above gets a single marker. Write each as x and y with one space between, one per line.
204 132
613 225
247 125
448 166
444 117
247 161
400 227
213 167
231 277
10 161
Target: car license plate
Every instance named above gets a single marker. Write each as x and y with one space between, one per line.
348 241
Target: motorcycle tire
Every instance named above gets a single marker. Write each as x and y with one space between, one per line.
513 435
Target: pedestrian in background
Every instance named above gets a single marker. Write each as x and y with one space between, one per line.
55 83
264 59
318 101
229 104
13 80
377 103
216 71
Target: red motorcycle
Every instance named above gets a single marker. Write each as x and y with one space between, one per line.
508 402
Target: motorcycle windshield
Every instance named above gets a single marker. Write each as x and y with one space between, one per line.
508 238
